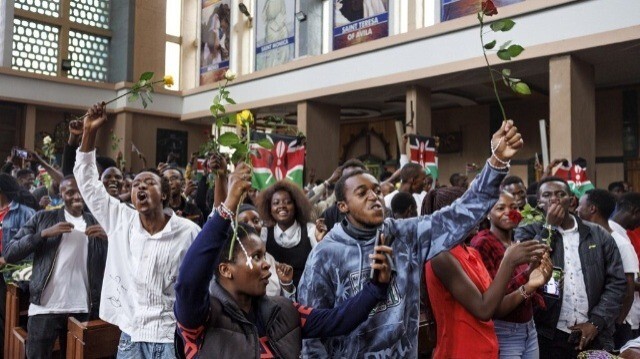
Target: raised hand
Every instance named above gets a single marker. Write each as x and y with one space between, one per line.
190 188
321 229
506 142
555 214
285 272
96 231
524 252
239 184
57 229
541 274
95 118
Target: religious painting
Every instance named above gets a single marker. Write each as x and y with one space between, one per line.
358 21
452 9
275 32
214 40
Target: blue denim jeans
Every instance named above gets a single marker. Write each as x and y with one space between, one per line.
517 340
142 350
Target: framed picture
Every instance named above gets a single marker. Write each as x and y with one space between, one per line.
450 142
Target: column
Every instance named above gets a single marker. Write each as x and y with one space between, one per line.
30 128
121 44
418 111
572 113
321 124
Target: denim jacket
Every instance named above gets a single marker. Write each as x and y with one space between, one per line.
17 216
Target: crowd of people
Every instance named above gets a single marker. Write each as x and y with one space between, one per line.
347 267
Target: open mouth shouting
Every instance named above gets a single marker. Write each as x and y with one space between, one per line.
142 197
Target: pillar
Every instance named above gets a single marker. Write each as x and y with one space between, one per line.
321 124
30 128
572 112
418 111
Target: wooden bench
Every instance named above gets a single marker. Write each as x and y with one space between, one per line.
17 306
94 339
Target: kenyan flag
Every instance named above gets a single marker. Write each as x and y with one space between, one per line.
576 176
423 152
284 161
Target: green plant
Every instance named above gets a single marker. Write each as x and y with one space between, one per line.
506 52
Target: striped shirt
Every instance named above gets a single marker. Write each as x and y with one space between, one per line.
138 289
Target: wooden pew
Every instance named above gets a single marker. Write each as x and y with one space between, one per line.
17 305
90 340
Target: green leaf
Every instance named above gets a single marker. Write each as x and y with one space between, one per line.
237 157
490 45
508 24
241 147
266 143
506 72
228 139
521 88
146 76
216 99
144 102
502 25
231 101
133 97
504 55
515 50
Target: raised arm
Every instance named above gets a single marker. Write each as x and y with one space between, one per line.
106 209
450 225
197 269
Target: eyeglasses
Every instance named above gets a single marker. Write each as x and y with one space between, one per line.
557 194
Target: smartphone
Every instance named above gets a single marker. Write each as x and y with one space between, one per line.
552 287
18 152
374 272
575 337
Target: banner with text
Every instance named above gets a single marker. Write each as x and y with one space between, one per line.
358 21
275 32
452 9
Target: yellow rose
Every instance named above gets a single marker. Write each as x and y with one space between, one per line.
168 80
244 118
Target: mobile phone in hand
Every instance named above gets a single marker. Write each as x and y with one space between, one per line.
21 153
374 272
574 337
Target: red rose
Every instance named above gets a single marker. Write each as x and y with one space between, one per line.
489 8
515 217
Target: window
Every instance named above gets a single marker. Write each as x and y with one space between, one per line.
45 34
35 47
173 42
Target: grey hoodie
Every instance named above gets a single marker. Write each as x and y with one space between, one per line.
339 266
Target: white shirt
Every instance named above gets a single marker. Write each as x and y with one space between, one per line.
418 197
138 289
290 237
67 289
630 265
575 304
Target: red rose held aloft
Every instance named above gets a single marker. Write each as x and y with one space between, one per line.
515 217
489 8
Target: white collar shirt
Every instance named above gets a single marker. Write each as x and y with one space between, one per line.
138 289
575 303
290 237
630 265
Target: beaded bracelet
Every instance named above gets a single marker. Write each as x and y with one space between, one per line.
523 292
496 167
506 164
225 212
286 284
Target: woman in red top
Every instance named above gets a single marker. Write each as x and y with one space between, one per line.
515 329
464 298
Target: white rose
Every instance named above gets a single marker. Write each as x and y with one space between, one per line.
230 75
46 140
